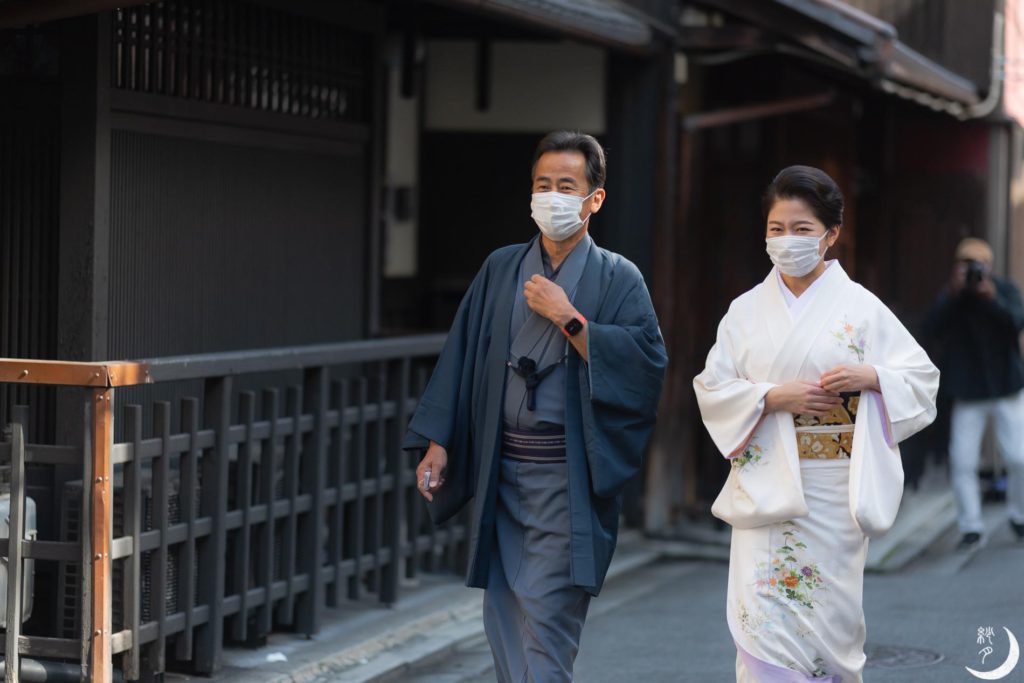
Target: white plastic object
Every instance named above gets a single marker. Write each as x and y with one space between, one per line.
28 571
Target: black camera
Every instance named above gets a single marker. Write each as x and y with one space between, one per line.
974 275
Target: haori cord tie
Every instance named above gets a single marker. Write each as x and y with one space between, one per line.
526 368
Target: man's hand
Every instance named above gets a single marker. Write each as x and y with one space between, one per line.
549 300
435 460
801 398
851 378
986 289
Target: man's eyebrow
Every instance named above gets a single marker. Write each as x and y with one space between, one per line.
561 181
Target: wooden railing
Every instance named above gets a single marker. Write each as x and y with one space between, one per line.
238 510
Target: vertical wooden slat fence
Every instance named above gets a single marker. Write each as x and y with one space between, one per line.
225 517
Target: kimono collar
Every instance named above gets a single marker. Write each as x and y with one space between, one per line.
567 277
793 337
795 303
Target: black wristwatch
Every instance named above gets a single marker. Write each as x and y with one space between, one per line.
574 326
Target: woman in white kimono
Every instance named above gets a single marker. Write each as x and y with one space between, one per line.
809 387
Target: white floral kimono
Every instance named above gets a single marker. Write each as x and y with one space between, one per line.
800 525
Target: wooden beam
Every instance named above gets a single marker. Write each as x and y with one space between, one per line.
723 38
65 373
26 371
726 117
21 13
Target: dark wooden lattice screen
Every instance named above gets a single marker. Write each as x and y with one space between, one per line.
29 225
244 55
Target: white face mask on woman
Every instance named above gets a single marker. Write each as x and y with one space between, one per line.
557 214
795 255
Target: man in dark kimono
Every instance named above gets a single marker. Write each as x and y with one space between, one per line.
539 409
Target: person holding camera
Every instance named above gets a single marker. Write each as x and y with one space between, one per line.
978 320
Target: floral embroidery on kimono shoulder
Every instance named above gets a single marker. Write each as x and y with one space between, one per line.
788 577
852 338
751 456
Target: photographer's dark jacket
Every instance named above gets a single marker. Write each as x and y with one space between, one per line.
978 342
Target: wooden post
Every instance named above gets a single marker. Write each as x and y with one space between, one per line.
666 454
209 641
314 481
14 554
100 528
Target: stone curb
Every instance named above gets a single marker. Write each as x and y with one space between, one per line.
920 524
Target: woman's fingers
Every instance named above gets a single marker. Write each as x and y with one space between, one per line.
837 375
818 389
835 383
828 395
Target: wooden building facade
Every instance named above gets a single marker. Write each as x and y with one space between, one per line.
898 101
274 204
270 205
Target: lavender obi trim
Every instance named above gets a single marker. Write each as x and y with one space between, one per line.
763 672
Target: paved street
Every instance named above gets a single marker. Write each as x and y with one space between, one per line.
666 622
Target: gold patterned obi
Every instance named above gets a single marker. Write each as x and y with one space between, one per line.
829 436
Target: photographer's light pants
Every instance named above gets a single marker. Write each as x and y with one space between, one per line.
967 429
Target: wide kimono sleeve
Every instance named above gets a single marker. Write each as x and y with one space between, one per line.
621 388
731 405
437 415
907 377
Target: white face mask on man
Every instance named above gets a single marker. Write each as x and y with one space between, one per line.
558 214
795 255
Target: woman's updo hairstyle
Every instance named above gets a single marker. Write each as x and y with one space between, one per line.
811 185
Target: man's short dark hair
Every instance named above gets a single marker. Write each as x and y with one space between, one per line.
572 141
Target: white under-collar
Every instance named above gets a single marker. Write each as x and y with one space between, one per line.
795 303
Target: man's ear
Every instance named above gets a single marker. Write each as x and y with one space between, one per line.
597 200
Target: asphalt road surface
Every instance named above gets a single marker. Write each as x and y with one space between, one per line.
666 622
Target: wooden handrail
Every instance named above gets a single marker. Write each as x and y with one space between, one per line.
65 373
201 366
